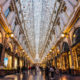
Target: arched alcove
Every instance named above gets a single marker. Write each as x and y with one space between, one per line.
65 47
76 36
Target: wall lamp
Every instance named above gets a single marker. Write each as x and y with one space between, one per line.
50 51
10 35
23 51
64 35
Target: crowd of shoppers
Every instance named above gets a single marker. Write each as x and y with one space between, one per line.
51 72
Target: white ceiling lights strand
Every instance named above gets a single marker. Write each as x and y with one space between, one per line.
36 17
37 20
28 14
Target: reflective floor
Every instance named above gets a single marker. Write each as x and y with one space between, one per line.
38 76
30 75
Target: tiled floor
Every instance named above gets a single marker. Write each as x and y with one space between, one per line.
37 76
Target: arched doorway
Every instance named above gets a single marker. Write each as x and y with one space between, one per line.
65 47
76 36
65 56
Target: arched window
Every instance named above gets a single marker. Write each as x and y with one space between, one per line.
76 36
65 47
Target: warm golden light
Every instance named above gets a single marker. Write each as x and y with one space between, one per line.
0 35
74 35
16 50
50 50
58 50
23 50
21 63
15 63
12 35
62 35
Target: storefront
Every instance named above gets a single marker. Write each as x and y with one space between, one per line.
65 61
76 48
8 57
65 64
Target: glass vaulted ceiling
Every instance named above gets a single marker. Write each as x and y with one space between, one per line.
36 17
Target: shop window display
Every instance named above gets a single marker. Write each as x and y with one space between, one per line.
15 63
5 61
9 64
21 64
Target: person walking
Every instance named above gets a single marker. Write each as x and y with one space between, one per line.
52 72
47 73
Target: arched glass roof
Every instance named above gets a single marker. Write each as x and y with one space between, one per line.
36 18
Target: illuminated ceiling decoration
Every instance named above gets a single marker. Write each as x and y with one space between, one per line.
36 18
